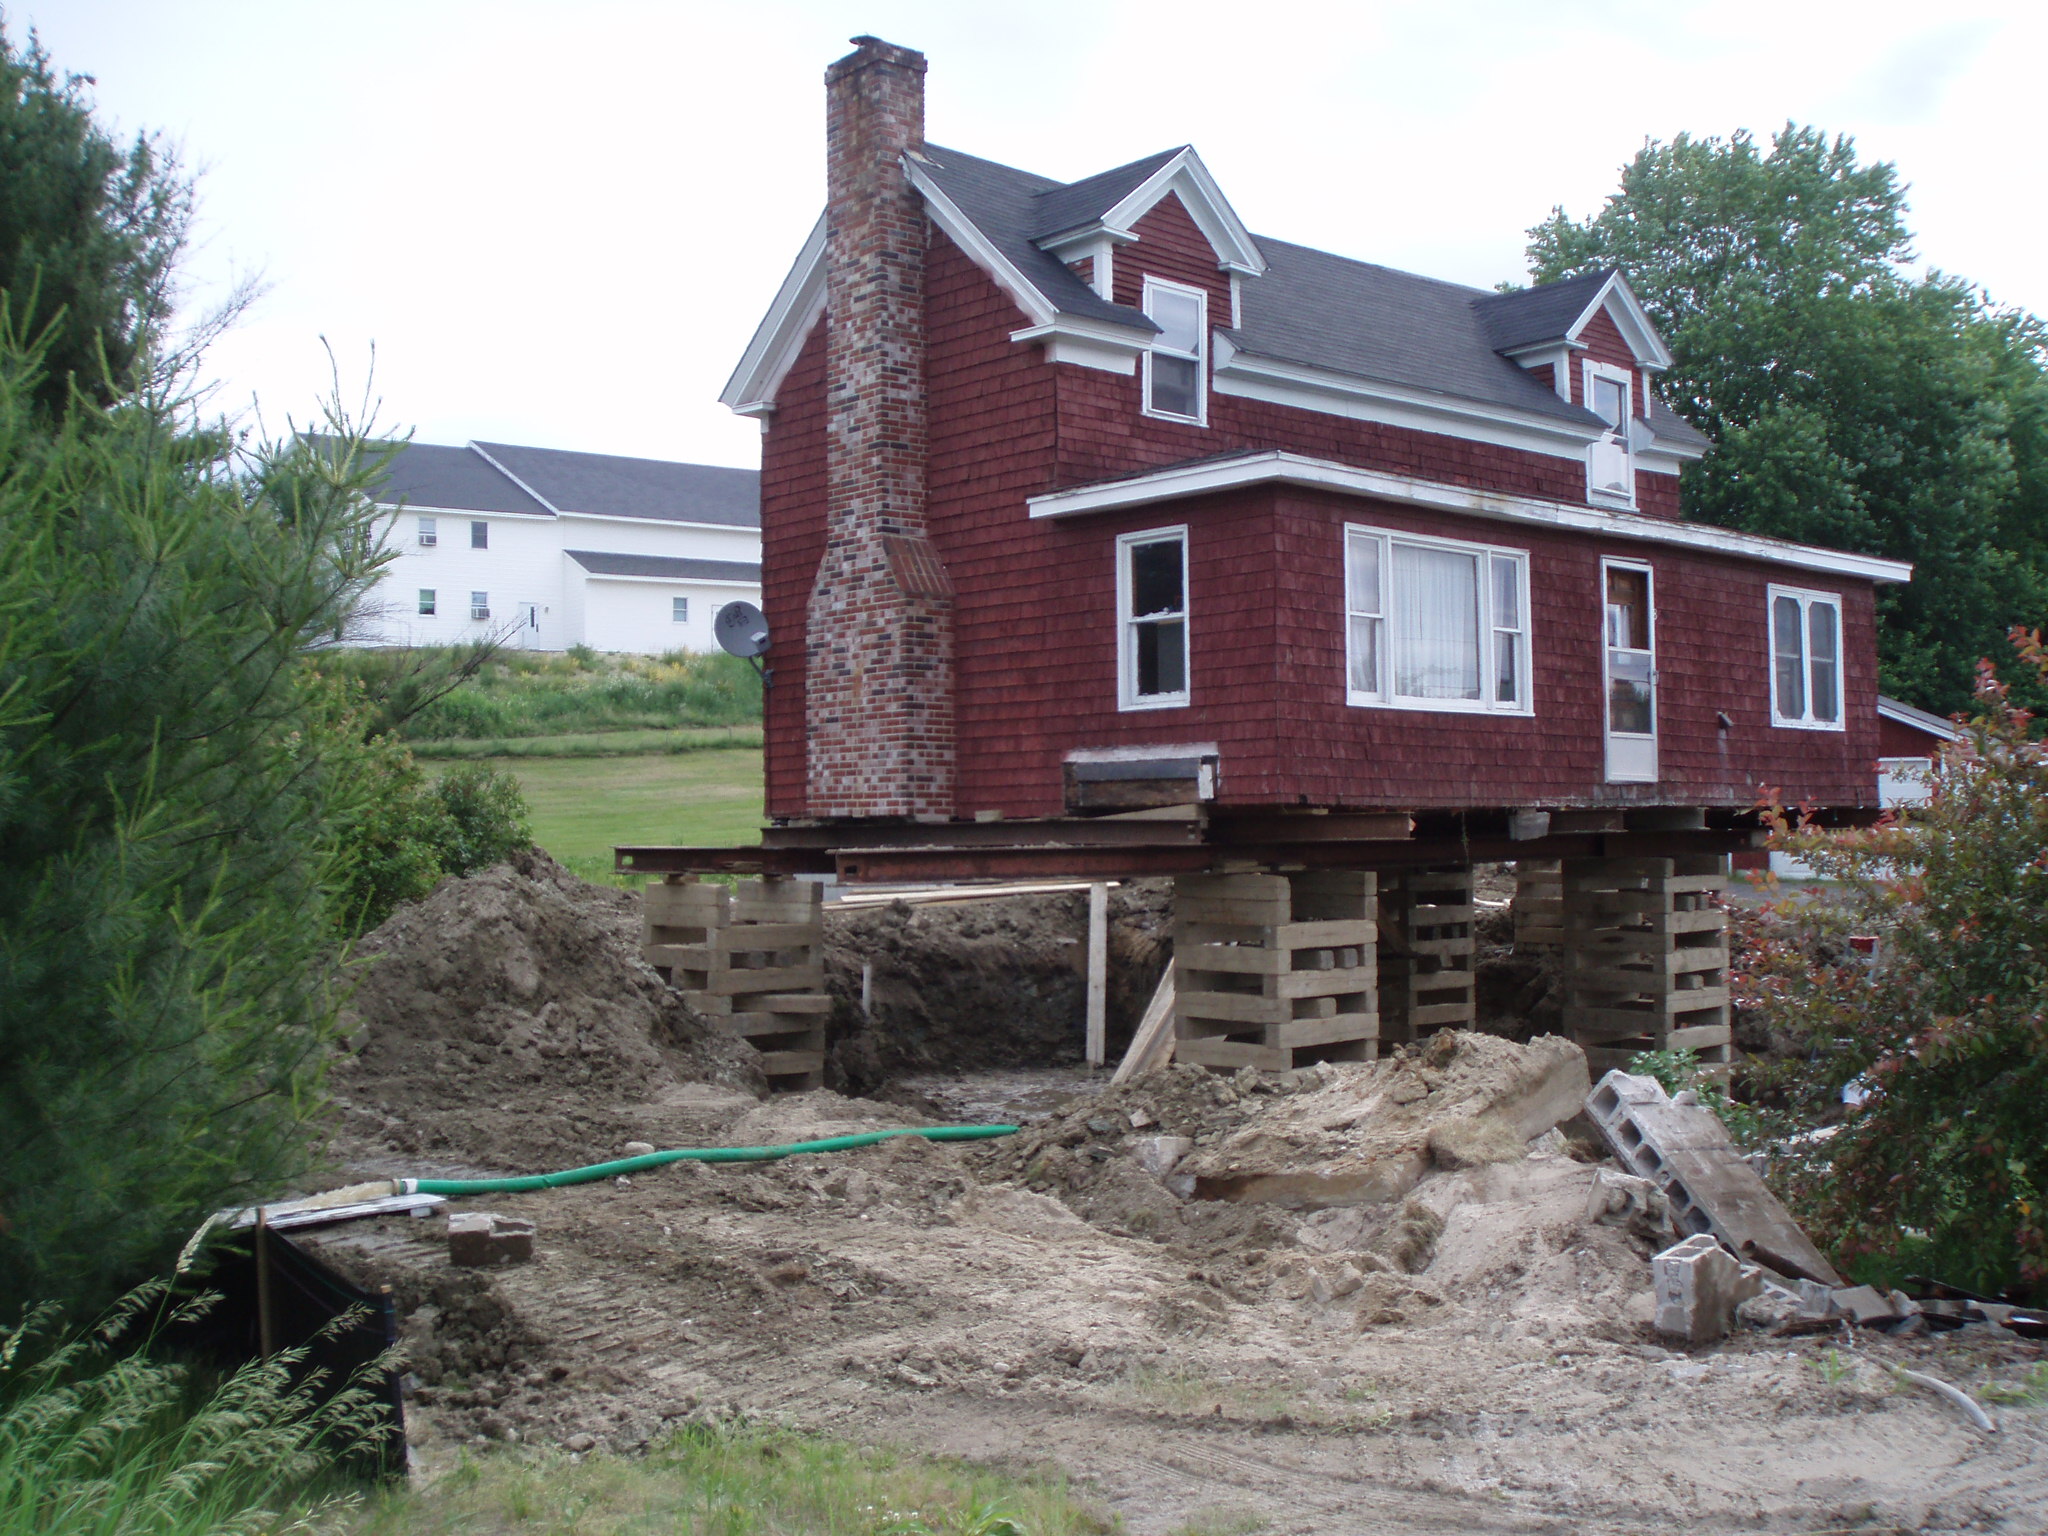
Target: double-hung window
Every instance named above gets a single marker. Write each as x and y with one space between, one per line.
679 610
1806 659
479 605
426 602
1435 623
479 535
1152 619
1610 462
429 534
1175 367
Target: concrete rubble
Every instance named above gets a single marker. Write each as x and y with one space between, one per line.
1699 1285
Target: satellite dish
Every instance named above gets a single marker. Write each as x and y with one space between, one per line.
740 629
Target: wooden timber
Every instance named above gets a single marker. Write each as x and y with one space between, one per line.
1427 980
749 957
1646 944
1275 971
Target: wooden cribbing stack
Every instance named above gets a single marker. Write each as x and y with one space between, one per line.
1426 953
1275 971
750 957
1647 949
1539 904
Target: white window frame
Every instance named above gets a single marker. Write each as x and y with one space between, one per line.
1806 598
430 535
479 607
1200 356
1484 554
679 610
430 604
1589 370
1127 695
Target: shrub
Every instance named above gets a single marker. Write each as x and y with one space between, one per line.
1942 1165
483 818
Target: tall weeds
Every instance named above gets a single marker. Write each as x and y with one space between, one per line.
98 1437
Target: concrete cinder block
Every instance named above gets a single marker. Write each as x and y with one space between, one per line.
479 1239
1685 1150
1699 1284
1628 1200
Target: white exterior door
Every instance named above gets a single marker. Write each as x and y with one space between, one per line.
1629 650
528 637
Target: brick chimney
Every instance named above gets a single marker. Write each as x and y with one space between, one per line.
879 658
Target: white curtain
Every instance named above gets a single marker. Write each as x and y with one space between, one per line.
1436 623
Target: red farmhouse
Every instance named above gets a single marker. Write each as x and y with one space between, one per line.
1101 535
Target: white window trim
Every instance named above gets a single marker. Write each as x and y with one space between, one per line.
1385 698
1127 696
675 617
1806 596
430 602
429 533
1201 416
1589 370
479 612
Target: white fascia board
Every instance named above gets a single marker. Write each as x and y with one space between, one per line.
1668 458
673 581
1917 719
1088 343
1630 318
661 522
780 336
408 508
1279 467
501 469
1141 754
1338 394
1235 249
963 232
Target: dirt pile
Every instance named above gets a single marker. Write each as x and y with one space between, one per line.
493 1022
977 985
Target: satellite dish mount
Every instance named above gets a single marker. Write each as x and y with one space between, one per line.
742 630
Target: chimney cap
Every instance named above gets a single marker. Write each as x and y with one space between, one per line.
873 50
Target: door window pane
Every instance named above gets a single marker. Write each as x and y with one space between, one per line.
1628 609
1436 623
1628 693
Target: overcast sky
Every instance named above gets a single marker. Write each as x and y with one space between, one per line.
559 223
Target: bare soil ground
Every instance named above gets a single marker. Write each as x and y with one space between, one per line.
1471 1356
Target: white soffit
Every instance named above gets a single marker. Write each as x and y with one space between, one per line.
1294 469
780 336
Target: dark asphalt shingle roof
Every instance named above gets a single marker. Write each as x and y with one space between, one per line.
1083 202
600 563
1310 307
1326 311
656 489
1004 205
1542 313
432 475
428 475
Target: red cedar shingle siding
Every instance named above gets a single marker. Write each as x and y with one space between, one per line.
1602 338
1035 616
792 539
1897 739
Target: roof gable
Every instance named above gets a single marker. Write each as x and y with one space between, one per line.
1112 203
433 477
609 485
1557 314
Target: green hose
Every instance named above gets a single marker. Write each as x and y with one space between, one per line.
612 1170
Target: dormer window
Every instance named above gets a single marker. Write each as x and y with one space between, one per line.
1176 366
1610 462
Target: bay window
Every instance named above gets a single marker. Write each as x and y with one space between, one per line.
1806 659
1435 623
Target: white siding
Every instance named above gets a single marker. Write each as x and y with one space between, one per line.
526 563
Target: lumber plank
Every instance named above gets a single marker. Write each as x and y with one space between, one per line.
1152 1045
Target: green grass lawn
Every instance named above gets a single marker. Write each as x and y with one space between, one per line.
582 807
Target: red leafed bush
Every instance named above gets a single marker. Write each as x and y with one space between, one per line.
1941 1168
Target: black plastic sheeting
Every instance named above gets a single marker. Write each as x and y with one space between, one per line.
305 1297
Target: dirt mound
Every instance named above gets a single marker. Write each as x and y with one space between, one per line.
983 984
497 1018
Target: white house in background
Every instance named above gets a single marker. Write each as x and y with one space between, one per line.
552 549
1908 742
